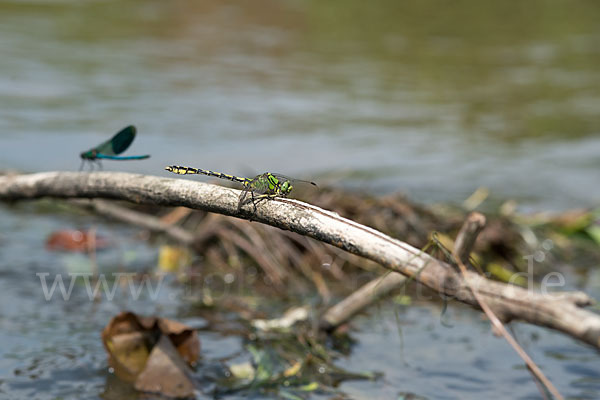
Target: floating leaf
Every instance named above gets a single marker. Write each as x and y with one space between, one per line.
173 258
310 387
129 340
165 372
243 371
293 370
291 317
74 240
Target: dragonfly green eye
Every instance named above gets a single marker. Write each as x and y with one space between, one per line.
286 187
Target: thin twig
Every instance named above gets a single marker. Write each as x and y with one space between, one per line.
465 240
469 231
137 218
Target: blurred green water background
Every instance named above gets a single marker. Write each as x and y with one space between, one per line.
431 98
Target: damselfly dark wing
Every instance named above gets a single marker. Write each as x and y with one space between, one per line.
119 143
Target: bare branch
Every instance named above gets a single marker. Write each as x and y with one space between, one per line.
360 299
380 287
467 235
562 313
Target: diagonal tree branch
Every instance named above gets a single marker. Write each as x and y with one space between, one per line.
108 209
559 311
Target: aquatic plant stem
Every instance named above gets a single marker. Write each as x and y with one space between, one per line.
462 249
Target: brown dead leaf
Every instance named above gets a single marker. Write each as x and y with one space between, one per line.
166 372
129 353
73 240
129 340
183 338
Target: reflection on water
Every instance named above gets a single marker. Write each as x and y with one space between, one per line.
429 98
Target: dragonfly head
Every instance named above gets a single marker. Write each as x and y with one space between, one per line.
286 187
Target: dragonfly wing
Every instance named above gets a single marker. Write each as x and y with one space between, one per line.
119 143
285 177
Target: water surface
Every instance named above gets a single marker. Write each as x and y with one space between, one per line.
427 98
430 98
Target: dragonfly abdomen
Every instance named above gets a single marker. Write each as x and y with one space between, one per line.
197 171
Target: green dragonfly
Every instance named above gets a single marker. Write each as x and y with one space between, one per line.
266 186
110 149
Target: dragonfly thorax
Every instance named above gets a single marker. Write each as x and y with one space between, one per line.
271 184
89 155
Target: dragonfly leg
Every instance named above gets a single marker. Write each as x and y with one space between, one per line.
253 201
82 164
242 200
256 200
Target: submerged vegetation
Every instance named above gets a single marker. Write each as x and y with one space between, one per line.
271 286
